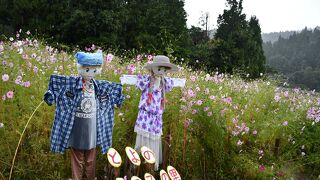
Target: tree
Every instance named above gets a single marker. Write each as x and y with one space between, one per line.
239 43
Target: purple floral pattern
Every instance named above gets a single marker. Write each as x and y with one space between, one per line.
150 116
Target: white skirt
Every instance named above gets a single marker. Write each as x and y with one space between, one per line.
153 143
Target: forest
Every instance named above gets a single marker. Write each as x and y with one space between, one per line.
297 58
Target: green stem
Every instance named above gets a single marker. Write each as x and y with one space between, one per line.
25 127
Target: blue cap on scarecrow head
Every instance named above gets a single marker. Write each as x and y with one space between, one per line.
89 59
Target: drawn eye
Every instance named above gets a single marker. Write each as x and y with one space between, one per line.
159 69
87 70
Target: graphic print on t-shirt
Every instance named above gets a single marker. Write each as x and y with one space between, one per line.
83 133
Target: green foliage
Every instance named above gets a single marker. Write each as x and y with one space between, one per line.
147 26
239 43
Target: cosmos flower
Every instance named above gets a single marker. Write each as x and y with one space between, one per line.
10 94
109 58
5 77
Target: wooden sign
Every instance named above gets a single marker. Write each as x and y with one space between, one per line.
173 173
148 176
135 178
114 158
164 175
133 156
148 155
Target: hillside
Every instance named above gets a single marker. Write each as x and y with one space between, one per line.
219 126
297 57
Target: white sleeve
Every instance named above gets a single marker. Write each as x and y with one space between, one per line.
128 79
179 82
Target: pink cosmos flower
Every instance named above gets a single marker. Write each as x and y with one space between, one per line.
286 94
227 100
285 123
194 111
11 65
27 84
5 77
10 94
3 97
109 58
35 69
17 81
28 32
25 56
212 97
139 57
187 122
234 121
150 57
205 109
33 55
277 98
193 78
254 132
131 69
239 143
1 48
199 102
19 78
209 114
191 93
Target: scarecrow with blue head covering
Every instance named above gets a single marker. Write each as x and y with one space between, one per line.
84 114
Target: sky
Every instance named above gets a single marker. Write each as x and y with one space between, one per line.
273 15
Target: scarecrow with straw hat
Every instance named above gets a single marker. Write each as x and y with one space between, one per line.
148 125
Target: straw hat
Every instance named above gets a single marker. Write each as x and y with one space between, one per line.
163 61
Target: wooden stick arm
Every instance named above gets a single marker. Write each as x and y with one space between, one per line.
132 80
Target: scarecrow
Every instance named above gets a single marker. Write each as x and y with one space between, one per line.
148 125
84 113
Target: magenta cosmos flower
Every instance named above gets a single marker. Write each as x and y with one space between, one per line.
10 94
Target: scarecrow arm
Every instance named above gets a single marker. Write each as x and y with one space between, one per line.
179 82
128 79
132 80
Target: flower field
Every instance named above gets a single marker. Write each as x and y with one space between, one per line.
217 127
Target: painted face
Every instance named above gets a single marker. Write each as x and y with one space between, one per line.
88 72
160 70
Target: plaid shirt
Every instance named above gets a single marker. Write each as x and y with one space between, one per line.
66 92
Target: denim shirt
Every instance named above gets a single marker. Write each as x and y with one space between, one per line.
66 92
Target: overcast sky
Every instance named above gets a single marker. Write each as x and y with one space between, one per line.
273 15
